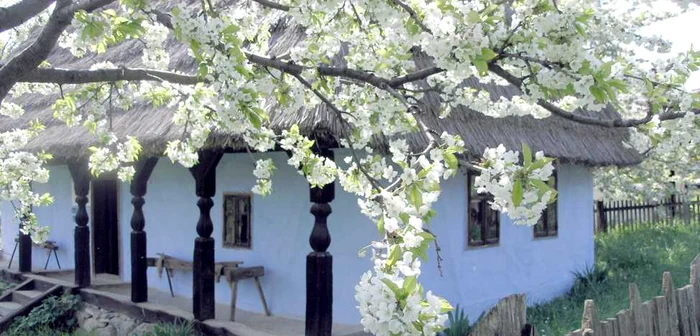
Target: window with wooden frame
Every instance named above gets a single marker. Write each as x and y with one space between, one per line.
548 225
483 226
237 220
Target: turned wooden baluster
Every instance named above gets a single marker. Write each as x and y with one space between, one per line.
139 246
25 249
81 185
319 263
204 173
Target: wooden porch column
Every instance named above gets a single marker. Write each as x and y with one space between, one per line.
204 173
319 263
139 267
81 185
25 249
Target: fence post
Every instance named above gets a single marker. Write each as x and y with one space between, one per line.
695 282
590 318
602 221
671 303
638 322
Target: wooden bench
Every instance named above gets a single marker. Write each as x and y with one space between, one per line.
50 246
229 269
233 275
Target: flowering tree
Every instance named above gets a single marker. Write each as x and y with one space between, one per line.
564 57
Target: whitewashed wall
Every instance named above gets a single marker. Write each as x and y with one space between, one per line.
281 223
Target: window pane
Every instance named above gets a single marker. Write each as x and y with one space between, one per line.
475 220
237 220
483 222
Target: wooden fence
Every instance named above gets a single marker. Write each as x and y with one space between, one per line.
508 317
676 313
621 214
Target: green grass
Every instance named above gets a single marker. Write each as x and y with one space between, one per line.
640 256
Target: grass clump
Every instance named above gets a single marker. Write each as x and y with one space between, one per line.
623 256
54 317
184 328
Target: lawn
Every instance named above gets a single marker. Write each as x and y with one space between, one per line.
623 256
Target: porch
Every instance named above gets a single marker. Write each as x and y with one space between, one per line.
100 220
110 293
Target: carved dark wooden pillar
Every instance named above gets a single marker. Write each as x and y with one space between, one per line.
25 249
81 185
204 173
139 267
319 263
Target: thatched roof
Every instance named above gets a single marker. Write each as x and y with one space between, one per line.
556 136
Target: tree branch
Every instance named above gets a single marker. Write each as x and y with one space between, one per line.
19 13
413 15
29 59
611 123
273 5
64 76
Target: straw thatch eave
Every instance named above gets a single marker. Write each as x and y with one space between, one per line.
556 136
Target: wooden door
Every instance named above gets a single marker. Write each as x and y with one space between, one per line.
105 225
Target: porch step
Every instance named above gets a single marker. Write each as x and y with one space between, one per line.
7 307
25 296
21 299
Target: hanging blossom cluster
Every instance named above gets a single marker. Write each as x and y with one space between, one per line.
672 151
558 56
19 170
399 195
521 191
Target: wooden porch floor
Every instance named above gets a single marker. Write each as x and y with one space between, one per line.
113 294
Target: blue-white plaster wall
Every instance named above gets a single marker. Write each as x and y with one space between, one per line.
281 222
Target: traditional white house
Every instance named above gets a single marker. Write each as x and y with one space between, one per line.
485 256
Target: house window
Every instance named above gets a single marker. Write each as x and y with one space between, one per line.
548 225
237 220
483 223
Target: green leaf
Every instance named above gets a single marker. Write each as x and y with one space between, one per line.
487 54
416 196
451 160
394 288
446 307
540 163
394 256
527 155
481 66
543 187
598 93
380 225
409 284
473 17
517 192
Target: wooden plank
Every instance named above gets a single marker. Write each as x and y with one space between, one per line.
684 312
648 319
672 304
624 323
692 310
695 282
637 318
660 315
614 329
605 328
590 317
508 317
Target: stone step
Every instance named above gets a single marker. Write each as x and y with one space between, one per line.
24 296
7 307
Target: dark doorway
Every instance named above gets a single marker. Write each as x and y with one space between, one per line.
105 225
